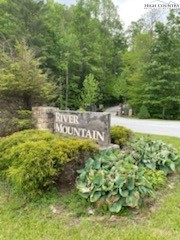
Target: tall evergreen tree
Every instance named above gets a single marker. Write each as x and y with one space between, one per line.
22 78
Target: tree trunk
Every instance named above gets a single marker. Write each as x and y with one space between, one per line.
67 87
163 112
27 102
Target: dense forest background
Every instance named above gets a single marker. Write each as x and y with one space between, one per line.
78 56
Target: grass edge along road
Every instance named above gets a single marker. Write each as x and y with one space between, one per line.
158 219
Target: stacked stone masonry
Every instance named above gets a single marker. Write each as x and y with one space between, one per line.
85 125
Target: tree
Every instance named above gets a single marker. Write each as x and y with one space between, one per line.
143 113
72 42
163 71
133 80
22 78
90 92
135 29
98 27
61 54
22 19
120 88
152 17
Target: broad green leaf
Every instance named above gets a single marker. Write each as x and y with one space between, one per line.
130 184
172 166
131 201
83 176
124 193
84 195
80 171
98 179
95 196
82 187
97 163
112 199
142 190
89 163
114 192
135 194
140 181
108 186
91 174
115 207
150 165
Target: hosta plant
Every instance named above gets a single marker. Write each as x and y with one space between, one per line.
157 178
154 154
124 178
111 179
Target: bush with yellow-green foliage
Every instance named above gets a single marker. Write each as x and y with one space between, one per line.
120 135
32 160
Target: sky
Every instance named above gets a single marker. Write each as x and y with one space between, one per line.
129 10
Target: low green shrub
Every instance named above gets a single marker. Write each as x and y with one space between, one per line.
10 142
144 113
120 135
32 166
112 178
154 154
32 161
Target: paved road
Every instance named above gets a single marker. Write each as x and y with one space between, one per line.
169 128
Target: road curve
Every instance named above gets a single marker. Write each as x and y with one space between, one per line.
159 127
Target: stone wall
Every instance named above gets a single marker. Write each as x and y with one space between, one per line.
44 118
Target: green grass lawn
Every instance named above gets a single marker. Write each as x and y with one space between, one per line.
158 219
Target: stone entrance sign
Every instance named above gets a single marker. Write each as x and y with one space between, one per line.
80 124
